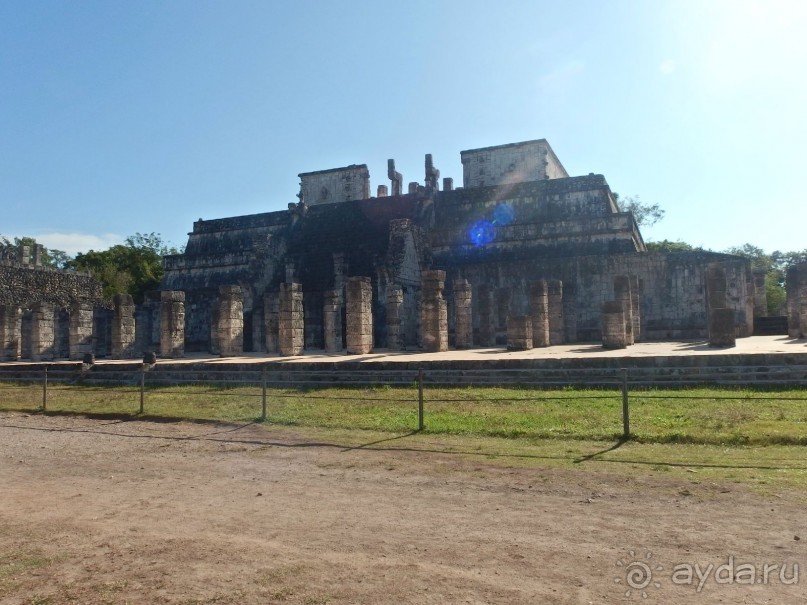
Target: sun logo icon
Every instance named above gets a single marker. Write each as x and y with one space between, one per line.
637 574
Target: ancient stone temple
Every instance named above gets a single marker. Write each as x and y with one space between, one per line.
521 256
520 239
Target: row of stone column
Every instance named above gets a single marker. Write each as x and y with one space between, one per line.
620 317
544 324
42 332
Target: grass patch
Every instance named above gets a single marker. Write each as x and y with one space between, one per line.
716 416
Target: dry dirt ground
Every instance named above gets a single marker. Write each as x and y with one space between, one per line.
112 511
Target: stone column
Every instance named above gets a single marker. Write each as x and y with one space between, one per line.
43 335
123 327
716 287
10 333
271 321
433 312
803 310
332 321
230 321
635 308
503 299
291 320
614 335
721 328
722 332
792 287
555 302
395 297
760 294
487 324
539 313
463 323
359 316
622 294
80 330
172 323
519 333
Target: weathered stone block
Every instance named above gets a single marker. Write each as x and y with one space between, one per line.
722 331
614 327
519 333
539 313
80 330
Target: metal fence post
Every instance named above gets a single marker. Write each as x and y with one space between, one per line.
263 394
142 388
625 412
420 400
45 391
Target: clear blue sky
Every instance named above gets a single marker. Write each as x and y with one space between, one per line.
119 117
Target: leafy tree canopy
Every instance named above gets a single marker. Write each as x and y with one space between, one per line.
134 267
646 215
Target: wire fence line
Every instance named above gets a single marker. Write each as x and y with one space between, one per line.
599 403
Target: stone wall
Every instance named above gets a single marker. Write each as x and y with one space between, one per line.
23 286
335 185
512 163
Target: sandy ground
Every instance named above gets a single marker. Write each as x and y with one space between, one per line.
111 511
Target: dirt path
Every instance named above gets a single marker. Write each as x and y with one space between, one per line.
107 511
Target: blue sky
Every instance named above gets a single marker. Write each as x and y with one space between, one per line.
119 117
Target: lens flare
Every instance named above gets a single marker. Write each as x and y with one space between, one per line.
481 233
504 214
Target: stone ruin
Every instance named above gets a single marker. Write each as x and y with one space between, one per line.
46 313
521 256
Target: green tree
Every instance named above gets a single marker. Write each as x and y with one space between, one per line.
134 267
670 246
646 215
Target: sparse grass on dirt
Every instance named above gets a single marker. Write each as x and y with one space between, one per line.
716 416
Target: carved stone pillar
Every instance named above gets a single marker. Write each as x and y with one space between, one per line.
463 324
10 333
434 312
123 327
332 321
229 320
291 330
172 323
271 315
80 330
487 317
622 294
555 302
43 334
395 298
359 316
539 313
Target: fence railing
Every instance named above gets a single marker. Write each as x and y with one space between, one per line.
602 404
